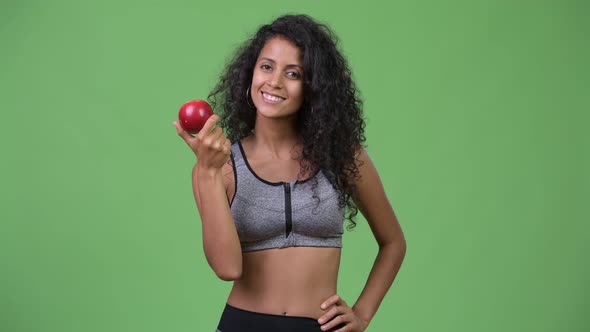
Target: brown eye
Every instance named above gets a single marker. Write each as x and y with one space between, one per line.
265 67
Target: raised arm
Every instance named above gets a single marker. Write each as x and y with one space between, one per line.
220 238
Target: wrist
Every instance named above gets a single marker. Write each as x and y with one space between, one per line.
207 173
364 317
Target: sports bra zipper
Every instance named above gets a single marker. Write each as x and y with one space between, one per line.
288 216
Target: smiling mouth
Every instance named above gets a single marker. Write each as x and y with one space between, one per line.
271 98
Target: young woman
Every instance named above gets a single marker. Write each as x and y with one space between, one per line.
274 193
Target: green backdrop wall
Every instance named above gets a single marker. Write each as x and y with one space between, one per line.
477 122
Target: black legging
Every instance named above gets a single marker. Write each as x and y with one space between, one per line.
239 320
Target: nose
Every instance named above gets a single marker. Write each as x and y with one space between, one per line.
275 80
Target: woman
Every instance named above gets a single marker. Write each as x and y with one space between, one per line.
273 203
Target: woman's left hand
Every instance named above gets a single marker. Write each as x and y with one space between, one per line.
340 314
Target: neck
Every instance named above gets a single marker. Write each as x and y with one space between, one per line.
276 136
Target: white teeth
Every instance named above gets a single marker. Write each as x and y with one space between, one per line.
271 97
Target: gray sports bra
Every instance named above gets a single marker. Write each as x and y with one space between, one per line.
283 214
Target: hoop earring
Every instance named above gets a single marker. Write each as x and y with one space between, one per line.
248 99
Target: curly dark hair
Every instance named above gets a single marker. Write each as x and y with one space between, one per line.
330 121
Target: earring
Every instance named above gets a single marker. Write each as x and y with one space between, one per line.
248 99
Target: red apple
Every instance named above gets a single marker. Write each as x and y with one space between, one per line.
193 115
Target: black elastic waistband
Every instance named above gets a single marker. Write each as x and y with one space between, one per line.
235 319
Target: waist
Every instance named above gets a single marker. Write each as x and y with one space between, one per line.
303 304
291 281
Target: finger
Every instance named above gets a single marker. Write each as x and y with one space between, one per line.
217 133
211 139
207 127
220 143
344 328
334 311
227 147
183 134
330 301
338 320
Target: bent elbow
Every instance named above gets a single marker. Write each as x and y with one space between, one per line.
402 246
229 274
404 250
226 267
228 271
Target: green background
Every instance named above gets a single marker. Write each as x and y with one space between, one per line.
476 120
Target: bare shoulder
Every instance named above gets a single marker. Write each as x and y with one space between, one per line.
365 166
373 202
368 175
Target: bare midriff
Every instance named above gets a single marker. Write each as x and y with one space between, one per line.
292 281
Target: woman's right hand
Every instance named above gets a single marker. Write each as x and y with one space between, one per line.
210 145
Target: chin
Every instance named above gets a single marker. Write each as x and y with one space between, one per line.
275 114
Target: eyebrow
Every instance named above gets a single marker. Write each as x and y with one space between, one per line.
289 65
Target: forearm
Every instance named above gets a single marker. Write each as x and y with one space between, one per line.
220 239
385 268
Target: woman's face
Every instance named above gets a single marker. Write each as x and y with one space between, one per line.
277 83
